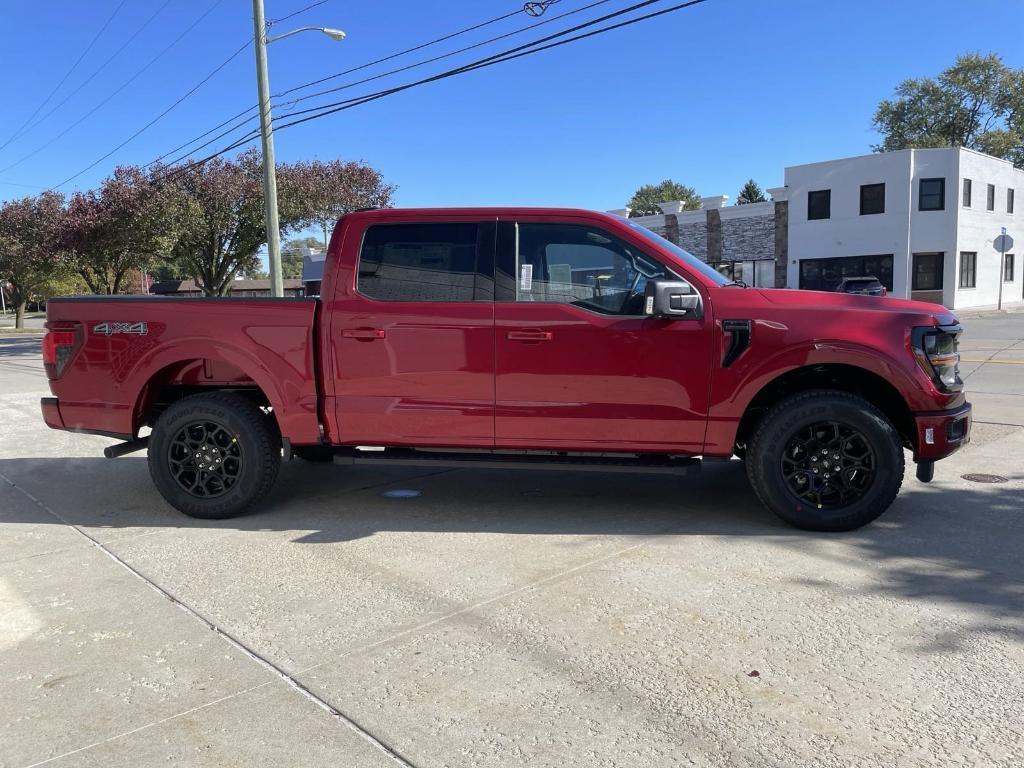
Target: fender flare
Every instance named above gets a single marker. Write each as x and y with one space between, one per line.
183 350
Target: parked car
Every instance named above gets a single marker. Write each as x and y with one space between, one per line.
520 338
864 286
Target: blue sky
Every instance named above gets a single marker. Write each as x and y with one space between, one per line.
709 96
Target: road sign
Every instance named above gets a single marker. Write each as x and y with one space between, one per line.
1003 243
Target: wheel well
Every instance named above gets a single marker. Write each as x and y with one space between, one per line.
846 378
190 377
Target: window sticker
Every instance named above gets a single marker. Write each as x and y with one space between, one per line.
526 277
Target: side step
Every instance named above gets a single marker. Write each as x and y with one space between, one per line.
655 464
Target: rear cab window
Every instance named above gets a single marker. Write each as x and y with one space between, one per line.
427 262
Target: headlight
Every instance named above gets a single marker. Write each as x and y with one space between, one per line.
936 350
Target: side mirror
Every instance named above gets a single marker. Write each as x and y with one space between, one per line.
671 298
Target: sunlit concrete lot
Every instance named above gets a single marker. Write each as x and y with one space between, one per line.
508 619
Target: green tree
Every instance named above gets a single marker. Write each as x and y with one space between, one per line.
291 254
31 253
645 200
976 103
751 193
221 225
70 284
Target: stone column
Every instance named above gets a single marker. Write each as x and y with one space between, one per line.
780 196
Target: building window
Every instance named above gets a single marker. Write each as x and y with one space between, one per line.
967 193
425 262
990 200
1008 268
968 269
927 272
827 274
819 204
1009 200
872 199
931 195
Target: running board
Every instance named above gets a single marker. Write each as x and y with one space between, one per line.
410 457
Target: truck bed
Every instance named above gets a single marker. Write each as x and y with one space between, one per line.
133 350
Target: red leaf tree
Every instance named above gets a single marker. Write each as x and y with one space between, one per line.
219 208
31 252
127 224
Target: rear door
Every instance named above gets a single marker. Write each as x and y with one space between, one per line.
579 366
412 334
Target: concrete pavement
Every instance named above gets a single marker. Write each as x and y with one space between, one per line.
507 618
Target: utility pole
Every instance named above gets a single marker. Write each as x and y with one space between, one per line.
259 26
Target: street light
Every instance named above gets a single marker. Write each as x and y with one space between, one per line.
259 25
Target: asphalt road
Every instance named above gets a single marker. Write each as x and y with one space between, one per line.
501 619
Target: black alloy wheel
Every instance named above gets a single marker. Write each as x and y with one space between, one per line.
828 464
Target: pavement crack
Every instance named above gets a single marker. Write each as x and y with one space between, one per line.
233 641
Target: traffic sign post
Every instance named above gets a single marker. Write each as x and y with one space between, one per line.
1003 243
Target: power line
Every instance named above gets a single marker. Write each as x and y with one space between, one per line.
67 74
159 117
20 184
415 48
100 68
118 90
528 27
493 59
271 22
255 107
243 122
508 55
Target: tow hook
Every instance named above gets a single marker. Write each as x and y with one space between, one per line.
113 451
925 471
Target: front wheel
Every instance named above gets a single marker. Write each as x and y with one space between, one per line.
212 456
825 460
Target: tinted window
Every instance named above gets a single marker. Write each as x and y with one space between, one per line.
872 199
967 193
968 264
927 272
424 262
1008 268
931 195
581 265
1009 200
819 204
990 200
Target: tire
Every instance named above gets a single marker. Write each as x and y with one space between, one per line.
318 454
797 442
240 455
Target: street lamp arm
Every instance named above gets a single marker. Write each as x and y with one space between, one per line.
334 34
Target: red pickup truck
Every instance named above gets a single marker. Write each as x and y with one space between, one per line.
517 337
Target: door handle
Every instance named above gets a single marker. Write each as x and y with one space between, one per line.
366 334
529 335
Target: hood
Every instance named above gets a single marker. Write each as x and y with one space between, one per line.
845 302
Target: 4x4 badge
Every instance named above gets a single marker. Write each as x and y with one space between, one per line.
108 329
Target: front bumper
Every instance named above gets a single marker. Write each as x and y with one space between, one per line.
941 433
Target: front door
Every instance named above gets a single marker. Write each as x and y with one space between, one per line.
412 335
578 365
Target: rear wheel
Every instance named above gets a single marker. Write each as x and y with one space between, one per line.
825 460
212 456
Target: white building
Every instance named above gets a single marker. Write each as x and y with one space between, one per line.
927 217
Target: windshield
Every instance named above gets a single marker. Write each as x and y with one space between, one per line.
685 256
